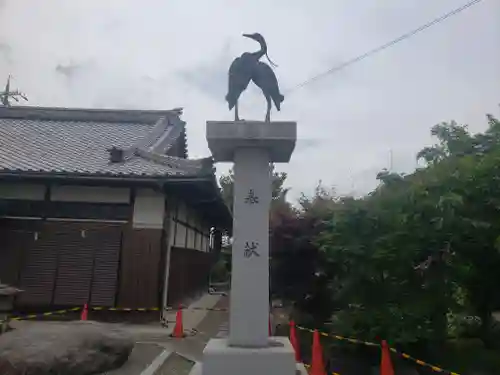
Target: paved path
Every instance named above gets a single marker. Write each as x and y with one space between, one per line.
211 326
152 340
175 365
191 348
142 355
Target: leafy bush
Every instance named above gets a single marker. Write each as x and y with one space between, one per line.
464 326
220 271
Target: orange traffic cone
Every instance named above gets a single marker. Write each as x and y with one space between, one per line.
385 363
85 312
294 341
317 365
179 328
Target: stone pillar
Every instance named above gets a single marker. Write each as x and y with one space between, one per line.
248 323
252 146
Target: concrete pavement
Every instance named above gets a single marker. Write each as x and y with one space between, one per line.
176 356
153 341
214 323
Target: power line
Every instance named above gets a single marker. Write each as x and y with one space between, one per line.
385 46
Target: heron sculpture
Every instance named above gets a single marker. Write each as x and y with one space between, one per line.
248 67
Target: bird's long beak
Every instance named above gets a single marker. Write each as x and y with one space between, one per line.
248 36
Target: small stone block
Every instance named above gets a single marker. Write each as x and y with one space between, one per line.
198 368
221 359
278 138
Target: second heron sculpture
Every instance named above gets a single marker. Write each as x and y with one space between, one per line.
248 67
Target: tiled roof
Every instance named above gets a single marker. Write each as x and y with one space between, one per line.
74 141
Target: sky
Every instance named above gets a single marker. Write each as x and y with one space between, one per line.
158 54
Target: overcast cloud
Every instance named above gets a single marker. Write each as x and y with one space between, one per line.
158 54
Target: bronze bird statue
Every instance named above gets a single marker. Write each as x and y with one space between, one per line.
248 67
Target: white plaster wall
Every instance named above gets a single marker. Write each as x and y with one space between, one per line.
170 228
195 240
182 212
180 237
89 194
204 243
200 242
149 209
22 191
198 224
190 243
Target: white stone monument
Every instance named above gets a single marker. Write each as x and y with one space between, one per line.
252 146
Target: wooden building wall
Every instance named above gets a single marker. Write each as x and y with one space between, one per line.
190 258
61 263
67 245
140 268
109 246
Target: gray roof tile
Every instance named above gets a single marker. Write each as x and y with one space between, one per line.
38 143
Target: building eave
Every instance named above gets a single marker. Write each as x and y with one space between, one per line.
86 115
105 177
214 203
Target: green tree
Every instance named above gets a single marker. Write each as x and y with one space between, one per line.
468 176
453 140
300 274
403 252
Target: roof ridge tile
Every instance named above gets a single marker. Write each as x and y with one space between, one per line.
195 165
87 114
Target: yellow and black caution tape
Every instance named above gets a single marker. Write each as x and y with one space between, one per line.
169 308
424 364
207 308
309 366
128 309
102 308
41 315
340 338
73 309
368 343
195 332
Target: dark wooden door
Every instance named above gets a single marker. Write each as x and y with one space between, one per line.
106 242
15 238
38 273
71 263
75 255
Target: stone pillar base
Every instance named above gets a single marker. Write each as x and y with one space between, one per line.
221 359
